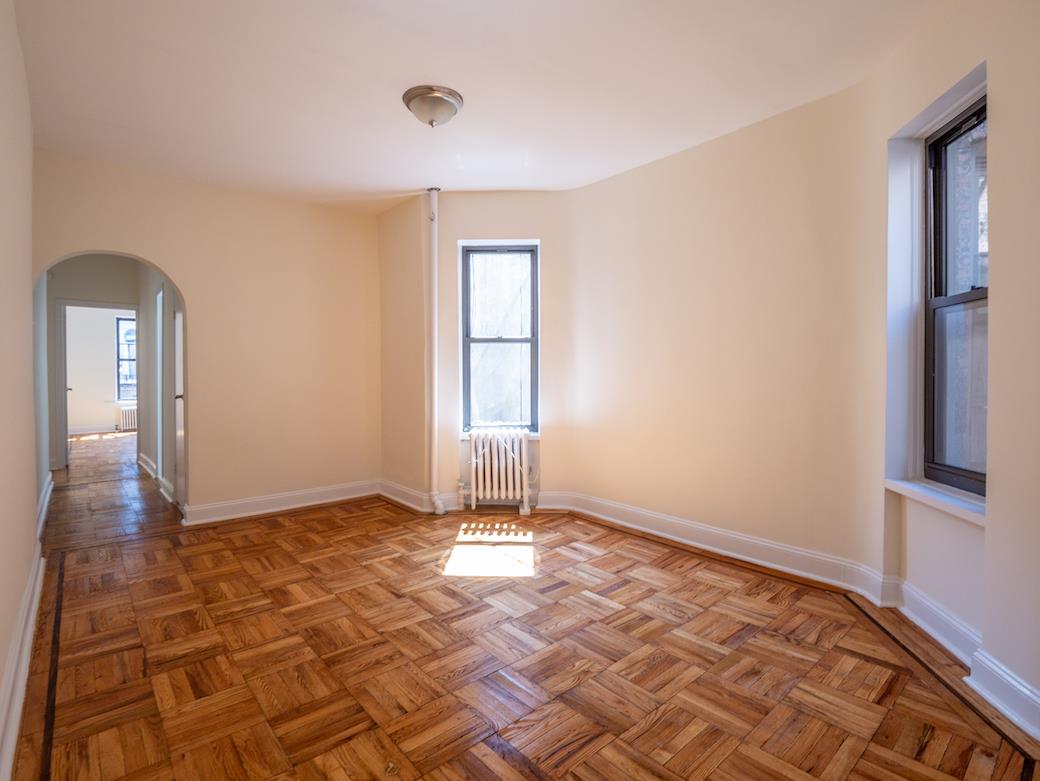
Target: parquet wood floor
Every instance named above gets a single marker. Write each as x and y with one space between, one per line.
363 641
104 495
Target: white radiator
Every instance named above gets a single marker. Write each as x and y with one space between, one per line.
498 471
128 418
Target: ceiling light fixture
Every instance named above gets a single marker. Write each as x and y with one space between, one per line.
432 105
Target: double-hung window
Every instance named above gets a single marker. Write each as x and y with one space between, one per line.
957 312
126 358
500 336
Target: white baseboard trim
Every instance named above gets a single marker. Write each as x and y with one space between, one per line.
16 670
42 503
409 497
166 489
147 464
806 563
272 503
946 628
1012 696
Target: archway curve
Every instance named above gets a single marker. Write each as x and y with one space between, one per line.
115 253
168 283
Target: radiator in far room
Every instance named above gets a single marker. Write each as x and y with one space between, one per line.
498 466
128 418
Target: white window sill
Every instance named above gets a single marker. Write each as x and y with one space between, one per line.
960 504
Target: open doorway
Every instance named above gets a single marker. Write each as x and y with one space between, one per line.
100 393
110 385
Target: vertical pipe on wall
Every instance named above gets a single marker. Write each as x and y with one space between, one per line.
431 360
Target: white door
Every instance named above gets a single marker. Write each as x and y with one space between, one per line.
180 466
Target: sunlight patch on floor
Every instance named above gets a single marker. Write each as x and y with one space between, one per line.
491 549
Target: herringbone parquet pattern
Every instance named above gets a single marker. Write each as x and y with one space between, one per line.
362 641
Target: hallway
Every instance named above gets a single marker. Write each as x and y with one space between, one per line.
104 495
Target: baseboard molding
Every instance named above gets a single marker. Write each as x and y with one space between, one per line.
42 503
273 503
1012 696
16 670
409 497
147 464
166 489
945 627
803 562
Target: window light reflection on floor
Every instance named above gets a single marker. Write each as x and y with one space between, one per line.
491 549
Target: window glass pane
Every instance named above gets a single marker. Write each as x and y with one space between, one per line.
500 385
127 331
500 294
960 385
967 212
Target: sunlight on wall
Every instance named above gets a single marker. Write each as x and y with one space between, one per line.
491 550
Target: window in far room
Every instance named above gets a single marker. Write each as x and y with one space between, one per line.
500 336
957 324
126 358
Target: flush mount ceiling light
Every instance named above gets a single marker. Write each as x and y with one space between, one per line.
432 105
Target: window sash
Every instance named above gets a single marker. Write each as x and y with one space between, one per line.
937 300
956 476
468 340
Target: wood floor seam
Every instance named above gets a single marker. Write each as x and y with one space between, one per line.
52 674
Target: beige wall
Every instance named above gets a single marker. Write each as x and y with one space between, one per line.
282 312
17 465
1011 625
943 558
731 319
402 248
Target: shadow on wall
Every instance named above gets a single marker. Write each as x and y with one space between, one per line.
115 281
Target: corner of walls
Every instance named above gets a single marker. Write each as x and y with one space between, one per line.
404 426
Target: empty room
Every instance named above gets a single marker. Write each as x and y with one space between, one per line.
433 391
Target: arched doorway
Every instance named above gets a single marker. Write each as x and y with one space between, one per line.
122 467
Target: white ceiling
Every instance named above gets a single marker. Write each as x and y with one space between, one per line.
304 96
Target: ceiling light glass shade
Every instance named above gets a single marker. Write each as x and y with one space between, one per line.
431 105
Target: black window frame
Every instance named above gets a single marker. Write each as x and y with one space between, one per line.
121 360
936 297
468 339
